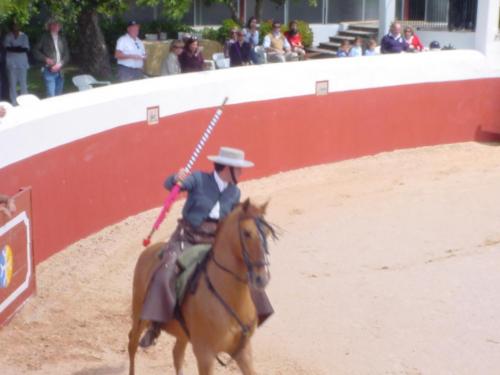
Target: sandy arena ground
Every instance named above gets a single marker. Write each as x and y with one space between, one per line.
387 265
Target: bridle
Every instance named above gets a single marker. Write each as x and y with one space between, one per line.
261 226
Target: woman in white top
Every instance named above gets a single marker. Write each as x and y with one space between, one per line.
251 35
17 46
171 63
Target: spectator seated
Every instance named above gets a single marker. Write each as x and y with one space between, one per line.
277 47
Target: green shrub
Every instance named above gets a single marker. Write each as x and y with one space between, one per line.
210 33
224 32
304 30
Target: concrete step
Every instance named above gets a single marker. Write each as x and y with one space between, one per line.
330 46
339 38
319 53
356 33
362 27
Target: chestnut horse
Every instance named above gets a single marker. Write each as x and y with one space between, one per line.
220 316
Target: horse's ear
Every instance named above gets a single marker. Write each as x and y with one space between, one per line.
263 208
245 205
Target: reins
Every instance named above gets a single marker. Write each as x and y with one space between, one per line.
245 328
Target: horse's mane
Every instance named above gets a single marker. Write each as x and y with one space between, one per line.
248 210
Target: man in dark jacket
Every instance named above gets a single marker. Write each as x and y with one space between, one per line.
53 52
393 42
239 51
211 197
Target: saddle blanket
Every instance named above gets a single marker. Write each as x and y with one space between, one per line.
189 263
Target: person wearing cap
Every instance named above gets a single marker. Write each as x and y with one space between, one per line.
130 54
53 52
211 197
434 46
239 52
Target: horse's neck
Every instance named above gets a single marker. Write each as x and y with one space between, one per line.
232 290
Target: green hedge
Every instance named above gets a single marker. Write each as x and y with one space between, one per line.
222 33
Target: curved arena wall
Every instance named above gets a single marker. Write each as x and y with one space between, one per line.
91 159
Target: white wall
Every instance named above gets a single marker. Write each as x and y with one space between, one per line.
31 129
458 39
322 32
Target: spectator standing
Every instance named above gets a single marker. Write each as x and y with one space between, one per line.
462 14
239 53
130 54
393 42
171 64
277 47
232 39
371 50
17 46
191 59
295 40
357 48
53 52
251 33
7 205
345 47
413 41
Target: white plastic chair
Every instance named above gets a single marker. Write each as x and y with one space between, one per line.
261 53
86 82
221 62
27 99
208 65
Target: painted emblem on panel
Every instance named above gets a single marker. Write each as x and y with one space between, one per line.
6 266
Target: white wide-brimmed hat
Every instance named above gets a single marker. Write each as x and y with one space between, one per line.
231 157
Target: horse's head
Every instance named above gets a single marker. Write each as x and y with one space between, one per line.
253 252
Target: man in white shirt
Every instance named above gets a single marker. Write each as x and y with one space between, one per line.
130 54
277 46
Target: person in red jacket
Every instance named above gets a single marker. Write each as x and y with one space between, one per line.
414 44
295 39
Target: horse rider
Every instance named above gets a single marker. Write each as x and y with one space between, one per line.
211 197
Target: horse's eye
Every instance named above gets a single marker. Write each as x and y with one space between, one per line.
247 234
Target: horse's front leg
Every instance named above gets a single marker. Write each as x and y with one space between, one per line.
178 353
205 359
244 359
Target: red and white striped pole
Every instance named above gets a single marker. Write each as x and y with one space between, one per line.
176 189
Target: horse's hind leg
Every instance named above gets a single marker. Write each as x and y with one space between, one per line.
244 360
133 341
178 353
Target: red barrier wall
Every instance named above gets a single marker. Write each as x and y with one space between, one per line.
17 273
83 186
